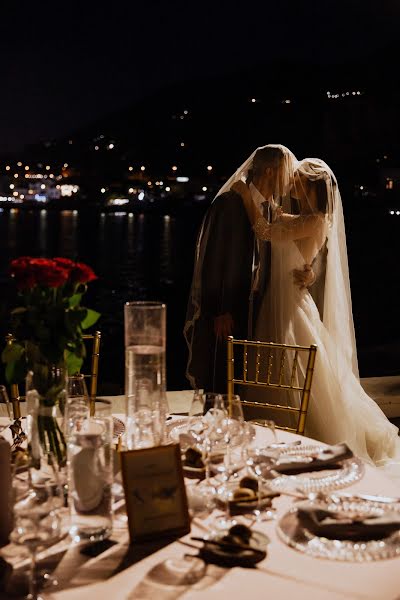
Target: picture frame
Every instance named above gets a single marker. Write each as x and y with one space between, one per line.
155 494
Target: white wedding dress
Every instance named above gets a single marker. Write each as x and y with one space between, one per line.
339 410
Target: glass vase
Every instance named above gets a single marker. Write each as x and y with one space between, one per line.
46 398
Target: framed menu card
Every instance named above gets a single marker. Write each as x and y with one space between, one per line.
155 494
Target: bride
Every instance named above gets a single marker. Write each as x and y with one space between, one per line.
311 218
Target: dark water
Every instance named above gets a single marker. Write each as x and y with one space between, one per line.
151 257
146 257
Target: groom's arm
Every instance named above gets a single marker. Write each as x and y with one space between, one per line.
226 268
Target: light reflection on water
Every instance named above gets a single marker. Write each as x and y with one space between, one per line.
150 256
135 256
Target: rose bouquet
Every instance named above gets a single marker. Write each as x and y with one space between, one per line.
47 327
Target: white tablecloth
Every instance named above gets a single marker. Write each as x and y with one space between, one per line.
284 573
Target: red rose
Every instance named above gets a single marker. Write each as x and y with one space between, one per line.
48 273
65 263
81 273
23 273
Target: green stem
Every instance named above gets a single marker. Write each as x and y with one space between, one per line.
51 437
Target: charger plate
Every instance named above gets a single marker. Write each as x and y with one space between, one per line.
351 470
292 533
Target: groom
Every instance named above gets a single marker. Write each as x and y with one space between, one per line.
235 274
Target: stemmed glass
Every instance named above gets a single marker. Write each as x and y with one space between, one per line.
197 405
261 456
77 404
227 456
38 501
5 404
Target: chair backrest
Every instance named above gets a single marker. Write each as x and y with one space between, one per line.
92 355
94 362
287 370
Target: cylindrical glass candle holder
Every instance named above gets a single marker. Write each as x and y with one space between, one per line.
145 381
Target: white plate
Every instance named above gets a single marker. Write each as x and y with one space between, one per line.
296 536
351 471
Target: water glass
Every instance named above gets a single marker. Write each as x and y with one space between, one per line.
145 381
77 404
90 476
38 506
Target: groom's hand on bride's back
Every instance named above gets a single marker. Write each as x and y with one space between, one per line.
304 277
223 326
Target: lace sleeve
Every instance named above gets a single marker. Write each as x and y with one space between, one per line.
262 229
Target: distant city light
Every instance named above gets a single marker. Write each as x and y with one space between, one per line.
68 190
253 100
27 168
209 168
110 146
19 163
361 187
103 190
174 168
65 165
12 186
141 196
287 101
182 144
47 167
142 168
130 191
15 175
149 183
119 201
185 112
131 168
15 193
204 188
391 212
8 167
96 148
182 179
167 189
43 187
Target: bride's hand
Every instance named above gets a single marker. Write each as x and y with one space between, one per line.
241 188
304 277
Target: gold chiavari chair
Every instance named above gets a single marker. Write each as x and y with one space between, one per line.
92 355
94 366
283 368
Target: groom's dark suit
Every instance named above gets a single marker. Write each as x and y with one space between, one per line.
226 280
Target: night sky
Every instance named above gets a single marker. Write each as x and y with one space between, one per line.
65 64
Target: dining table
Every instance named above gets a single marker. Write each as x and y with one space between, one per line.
115 569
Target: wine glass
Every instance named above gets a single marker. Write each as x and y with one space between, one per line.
5 405
261 456
197 405
38 501
231 427
77 404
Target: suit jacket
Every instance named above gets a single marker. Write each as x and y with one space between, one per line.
226 280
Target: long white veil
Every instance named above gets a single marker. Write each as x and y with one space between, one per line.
337 309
